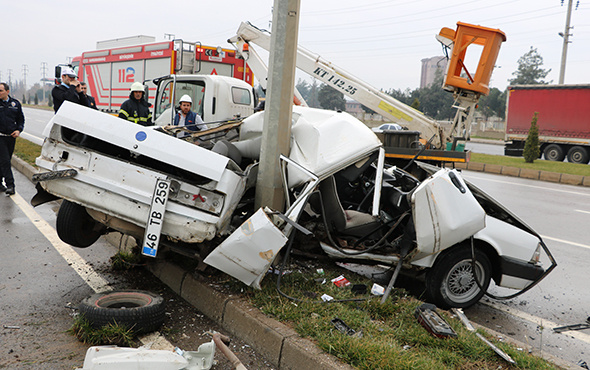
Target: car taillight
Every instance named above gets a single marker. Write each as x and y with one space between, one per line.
537 255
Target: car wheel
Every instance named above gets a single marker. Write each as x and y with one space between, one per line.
75 226
450 282
578 154
139 310
554 152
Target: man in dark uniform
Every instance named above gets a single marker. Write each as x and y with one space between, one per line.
69 89
12 123
136 109
91 101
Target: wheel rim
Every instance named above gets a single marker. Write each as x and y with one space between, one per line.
577 156
124 300
459 284
553 155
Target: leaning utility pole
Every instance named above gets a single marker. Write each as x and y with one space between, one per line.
276 134
566 35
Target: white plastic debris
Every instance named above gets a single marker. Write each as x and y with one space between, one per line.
124 358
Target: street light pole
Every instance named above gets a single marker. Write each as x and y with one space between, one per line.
566 35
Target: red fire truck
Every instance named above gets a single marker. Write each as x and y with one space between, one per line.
110 70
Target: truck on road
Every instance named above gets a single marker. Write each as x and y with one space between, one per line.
563 118
110 70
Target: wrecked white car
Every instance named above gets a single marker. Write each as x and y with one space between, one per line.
198 200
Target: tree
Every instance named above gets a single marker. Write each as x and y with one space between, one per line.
529 70
531 145
36 99
304 89
24 99
434 101
494 104
331 98
50 100
313 101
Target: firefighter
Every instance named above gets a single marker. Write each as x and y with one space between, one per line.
136 109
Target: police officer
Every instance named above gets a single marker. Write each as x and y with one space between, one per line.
91 101
136 109
12 123
69 89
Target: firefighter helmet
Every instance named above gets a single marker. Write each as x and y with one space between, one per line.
137 86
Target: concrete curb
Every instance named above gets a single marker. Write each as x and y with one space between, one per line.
281 345
561 178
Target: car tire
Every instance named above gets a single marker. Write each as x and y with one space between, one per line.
578 154
75 226
450 282
554 152
139 310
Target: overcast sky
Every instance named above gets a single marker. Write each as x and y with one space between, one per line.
381 42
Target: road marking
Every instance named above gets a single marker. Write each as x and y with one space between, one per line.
82 268
579 210
528 186
566 242
548 324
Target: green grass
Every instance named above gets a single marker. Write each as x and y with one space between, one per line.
27 150
392 338
539 164
39 106
123 261
111 334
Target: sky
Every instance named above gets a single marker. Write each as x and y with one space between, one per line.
380 42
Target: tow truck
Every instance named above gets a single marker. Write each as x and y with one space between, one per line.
426 138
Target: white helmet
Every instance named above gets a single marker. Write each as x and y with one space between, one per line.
185 98
137 86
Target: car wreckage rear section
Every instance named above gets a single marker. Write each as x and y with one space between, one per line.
195 195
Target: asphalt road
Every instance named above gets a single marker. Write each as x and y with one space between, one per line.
486 148
40 276
560 214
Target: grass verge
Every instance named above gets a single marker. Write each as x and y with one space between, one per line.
391 338
538 165
27 150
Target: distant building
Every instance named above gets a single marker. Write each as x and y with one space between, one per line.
429 68
353 106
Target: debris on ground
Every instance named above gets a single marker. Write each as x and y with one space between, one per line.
433 322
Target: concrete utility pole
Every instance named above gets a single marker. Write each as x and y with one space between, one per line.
276 134
566 35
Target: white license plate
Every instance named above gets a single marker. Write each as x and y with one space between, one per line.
155 220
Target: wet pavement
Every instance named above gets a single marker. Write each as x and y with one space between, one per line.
37 283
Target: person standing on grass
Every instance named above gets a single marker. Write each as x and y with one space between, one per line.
12 123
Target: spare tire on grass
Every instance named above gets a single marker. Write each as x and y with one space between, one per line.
140 310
